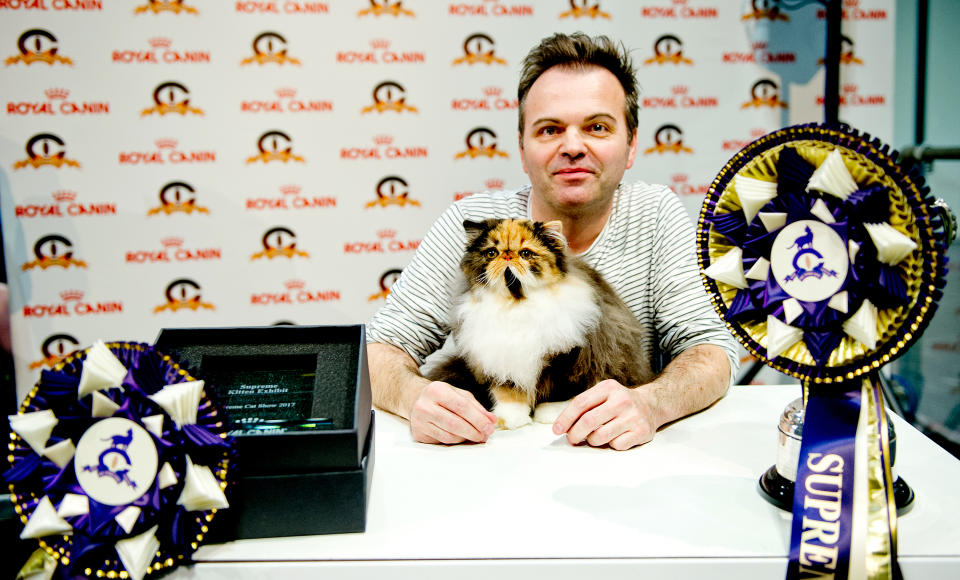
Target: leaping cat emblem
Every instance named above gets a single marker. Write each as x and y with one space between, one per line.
804 241
118 446
804 245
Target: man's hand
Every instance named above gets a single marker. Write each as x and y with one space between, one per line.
438 412
608 414
442 413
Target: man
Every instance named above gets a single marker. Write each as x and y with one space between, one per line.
577 136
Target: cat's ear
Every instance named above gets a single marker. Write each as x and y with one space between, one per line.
473 230
554 229
555 226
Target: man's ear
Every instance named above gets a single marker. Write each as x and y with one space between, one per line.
632 149
523 161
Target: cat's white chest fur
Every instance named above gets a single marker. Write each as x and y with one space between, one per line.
508 340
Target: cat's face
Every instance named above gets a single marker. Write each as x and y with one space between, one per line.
511 257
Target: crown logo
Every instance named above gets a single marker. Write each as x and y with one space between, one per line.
679 177
386 233
380 44
57 93
68 295
165 143
494 183
679 89
290 189
294 284
383 139
171 242
286 93
160 42
64 195
493 91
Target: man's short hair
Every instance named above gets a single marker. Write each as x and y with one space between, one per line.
579 50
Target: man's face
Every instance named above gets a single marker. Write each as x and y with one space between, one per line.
575 146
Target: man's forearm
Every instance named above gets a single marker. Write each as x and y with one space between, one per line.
692 381
394 378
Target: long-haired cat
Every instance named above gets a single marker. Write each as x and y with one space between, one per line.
534 325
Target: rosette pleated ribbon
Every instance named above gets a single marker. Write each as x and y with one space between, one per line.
826 260
119 463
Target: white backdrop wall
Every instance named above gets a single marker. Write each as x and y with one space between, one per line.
179 163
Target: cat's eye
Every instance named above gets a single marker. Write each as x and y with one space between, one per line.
490 252
526 254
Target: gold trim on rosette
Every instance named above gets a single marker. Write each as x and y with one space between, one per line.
889 321
881 511
47 555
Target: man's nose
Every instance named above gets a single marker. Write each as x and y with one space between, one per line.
573 145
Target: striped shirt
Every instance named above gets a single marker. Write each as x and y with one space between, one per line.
645 251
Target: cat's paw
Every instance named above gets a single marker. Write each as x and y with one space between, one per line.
548 412
512 415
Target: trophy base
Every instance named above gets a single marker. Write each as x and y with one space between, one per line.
778 490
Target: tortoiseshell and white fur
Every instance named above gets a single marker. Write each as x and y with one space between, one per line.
534 326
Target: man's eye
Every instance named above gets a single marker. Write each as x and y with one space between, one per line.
490 252
597 128
526 254
549 131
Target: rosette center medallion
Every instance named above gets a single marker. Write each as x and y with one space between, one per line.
809 260
116 461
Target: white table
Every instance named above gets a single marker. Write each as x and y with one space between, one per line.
527 504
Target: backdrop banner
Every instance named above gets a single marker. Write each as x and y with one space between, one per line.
185 163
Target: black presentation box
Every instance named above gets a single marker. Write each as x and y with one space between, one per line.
300 408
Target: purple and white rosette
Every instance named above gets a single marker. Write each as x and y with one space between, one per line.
119 462
826 260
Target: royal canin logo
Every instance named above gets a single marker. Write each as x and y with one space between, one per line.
173 251
285 7
679 98
489 8
492 184
167 151
57 102
386 243
291 198
852 10
728 145
380 53
183 294
160 51
760 54
64 204
384 148
583 9
850 96
286 102
680 183
379 8
492 99
386 281
54 349
53 5
72 304
679 10
294 292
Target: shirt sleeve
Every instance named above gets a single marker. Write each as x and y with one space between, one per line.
684 315
416 314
